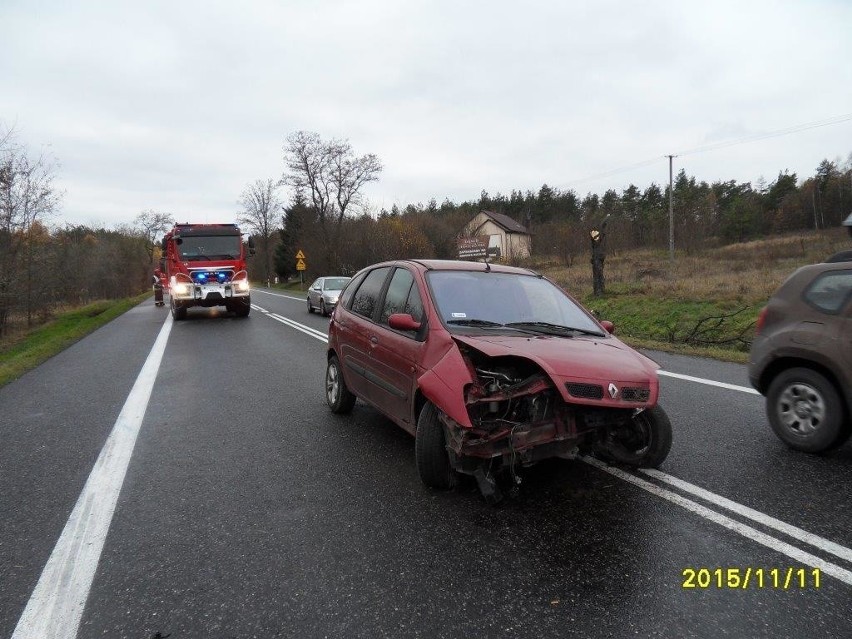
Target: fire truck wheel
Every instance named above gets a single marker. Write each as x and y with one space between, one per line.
241 307
178 310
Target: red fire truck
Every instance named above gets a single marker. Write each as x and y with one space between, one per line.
205 265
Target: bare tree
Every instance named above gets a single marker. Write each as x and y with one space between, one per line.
149 224
261 207
332 175
27 198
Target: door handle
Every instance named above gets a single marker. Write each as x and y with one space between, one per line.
374 340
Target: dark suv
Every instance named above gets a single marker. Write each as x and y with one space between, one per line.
801 358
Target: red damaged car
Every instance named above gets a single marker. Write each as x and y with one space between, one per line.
491 368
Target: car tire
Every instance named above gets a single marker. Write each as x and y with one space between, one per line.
323 310
430 450
654 443
806 411
340 399
178 310
310 308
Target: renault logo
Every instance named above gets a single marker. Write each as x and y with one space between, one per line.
613 390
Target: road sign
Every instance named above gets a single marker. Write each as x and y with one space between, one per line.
300 255
300 264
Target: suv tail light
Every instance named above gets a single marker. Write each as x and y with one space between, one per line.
761 320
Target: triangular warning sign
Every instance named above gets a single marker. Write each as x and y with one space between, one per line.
300 255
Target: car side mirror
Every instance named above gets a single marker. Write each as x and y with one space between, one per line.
403 322
609 326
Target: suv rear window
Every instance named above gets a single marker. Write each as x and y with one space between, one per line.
830 291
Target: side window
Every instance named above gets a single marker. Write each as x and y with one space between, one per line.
350 289
367 295
413 305
830 291
315 284
397 294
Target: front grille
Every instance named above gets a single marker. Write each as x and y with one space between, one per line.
635 394
585 391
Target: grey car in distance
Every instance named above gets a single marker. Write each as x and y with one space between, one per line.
324 293
801 357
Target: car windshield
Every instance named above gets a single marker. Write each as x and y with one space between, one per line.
335 283
506 302
209 247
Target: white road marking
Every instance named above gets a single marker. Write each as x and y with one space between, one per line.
776 544
770 522
709 382
56 605
307 330
740 528
303 300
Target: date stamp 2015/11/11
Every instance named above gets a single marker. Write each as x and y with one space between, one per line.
756 578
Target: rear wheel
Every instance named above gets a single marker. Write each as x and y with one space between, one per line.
644 442
430 450
310 308
806 412
340 399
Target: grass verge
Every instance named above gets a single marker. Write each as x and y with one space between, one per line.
47 340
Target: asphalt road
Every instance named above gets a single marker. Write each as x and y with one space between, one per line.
248 510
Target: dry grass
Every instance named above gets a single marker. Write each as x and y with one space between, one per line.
707 300
745 273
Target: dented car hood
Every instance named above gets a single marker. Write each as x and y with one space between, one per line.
597 358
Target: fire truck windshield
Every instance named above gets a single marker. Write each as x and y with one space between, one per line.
209 247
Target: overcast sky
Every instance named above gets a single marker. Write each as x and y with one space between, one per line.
176 106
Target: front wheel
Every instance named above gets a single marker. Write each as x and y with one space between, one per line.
323 310
178 309
430 450
340 399
310 308
806 412
242 307
643 442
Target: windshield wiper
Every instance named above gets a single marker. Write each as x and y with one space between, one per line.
473 322
554 329
480 323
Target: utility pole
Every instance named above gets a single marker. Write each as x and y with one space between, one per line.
671 210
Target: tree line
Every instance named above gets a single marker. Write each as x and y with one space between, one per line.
705 214
44 265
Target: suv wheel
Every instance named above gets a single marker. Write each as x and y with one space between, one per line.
806 412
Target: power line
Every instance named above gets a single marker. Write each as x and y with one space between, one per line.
771 134
720 145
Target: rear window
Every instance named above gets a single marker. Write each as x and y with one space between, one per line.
367 295
830 291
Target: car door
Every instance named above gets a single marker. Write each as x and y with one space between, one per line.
314 291
392 366
355 328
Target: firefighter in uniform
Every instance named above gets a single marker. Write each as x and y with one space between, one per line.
158 287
